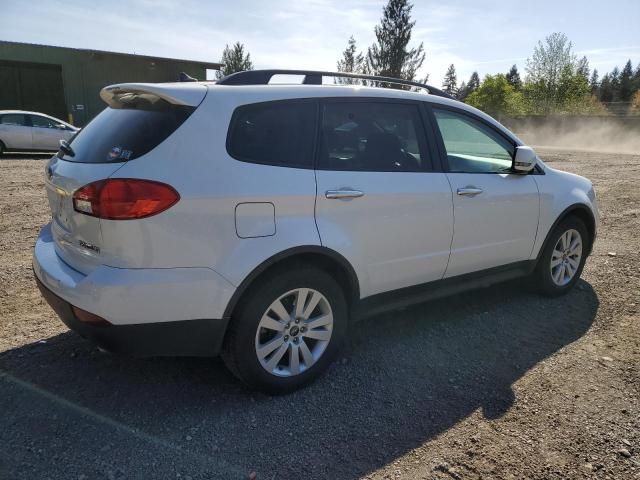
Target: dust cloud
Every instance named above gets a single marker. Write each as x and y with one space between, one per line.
602 134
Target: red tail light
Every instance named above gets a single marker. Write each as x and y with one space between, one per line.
124 198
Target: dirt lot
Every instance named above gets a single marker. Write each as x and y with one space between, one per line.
496 383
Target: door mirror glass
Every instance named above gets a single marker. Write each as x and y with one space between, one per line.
525 159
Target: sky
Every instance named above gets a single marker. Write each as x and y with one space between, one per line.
484 35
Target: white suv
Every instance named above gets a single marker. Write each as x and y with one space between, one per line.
258 220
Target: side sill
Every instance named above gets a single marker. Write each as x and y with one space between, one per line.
387 301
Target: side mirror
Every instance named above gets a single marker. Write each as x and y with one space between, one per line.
525 159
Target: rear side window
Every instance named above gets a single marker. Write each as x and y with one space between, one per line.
373 137
274 133
120 134
13 119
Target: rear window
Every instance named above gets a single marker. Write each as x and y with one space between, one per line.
129 131
274 133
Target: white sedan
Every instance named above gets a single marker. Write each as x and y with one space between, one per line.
22 131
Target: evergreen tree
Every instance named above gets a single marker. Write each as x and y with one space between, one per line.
468 88
636 79
351 62
234 60
473 83
626 82
513 77
462 91
606 90
450 82
614 78
593 81
582 68
390 56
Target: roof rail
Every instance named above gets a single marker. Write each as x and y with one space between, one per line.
313 77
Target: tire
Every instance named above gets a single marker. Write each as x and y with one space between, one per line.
552 281
248 335
1 149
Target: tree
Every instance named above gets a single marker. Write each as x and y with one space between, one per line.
234 60
593 81
635 102
626 82
545 68
583 68
513 77
351 62
614 78
606 90
450 82
496 96
467 89
636 78
390 56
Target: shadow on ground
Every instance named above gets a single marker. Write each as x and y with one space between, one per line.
26 156
70 411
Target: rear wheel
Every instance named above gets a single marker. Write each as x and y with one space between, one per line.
288 330
1 149
563 258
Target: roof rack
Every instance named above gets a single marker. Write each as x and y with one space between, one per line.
313 77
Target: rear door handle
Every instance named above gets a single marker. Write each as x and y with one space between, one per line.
343 193
469 191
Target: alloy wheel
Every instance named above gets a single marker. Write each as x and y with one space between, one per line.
294 332
565 258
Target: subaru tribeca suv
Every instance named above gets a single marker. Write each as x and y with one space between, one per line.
257 221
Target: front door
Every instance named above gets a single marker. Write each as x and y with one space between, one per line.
47 133
496 211
379 202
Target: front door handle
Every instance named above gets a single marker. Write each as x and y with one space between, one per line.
343 193
469 191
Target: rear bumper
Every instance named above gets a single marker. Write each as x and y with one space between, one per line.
145 307
199 338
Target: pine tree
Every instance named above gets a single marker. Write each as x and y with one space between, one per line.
450 82
626 82
582 68
593 81
636 78
234 60
614 78
390 55
606 90
513 77
462 91
474 82
351 62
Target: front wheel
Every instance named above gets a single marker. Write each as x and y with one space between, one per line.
563 258
288 330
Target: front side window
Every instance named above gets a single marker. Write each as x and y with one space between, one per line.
13 119
375 137
42 122
278 133
471 146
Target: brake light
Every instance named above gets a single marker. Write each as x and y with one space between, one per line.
124 198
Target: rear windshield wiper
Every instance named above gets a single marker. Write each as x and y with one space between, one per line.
66 148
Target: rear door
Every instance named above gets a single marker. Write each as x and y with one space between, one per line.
496 211
15 132
380 202
121 133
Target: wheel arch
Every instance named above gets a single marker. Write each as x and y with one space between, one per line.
584 213
318 256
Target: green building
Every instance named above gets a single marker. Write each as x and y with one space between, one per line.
66 82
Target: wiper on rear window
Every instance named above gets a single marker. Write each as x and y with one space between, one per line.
66 148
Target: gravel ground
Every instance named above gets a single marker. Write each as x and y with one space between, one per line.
495 383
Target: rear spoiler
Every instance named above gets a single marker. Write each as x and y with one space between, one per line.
187 94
